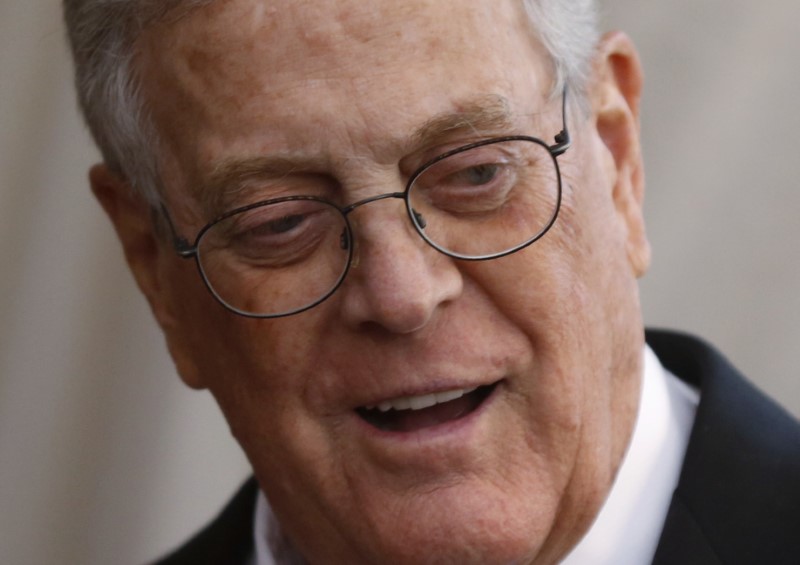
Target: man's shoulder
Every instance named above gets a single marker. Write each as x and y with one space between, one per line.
227 539
738 497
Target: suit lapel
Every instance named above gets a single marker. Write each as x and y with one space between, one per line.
228 539
738 493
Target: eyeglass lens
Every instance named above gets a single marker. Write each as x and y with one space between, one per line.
487 200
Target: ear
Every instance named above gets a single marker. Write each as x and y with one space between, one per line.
149 257
615 93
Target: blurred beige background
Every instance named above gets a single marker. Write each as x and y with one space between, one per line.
105 458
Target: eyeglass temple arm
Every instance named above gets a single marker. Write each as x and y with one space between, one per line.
181 244
563 140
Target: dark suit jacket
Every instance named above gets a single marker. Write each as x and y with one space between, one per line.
737 500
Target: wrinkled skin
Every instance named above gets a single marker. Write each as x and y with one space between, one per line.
340 88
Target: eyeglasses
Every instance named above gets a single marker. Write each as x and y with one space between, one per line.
285 255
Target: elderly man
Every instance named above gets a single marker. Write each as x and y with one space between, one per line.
399 242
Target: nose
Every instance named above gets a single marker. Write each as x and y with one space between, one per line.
396 281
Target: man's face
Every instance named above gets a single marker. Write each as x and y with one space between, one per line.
550 336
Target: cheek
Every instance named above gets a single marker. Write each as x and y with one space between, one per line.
263 381
266 376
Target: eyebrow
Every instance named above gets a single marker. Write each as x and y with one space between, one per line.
230 174
482 117
487 115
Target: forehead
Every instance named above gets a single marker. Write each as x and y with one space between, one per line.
265 76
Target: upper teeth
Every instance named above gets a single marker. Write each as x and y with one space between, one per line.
421 401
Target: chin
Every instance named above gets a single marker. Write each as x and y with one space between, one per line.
463 524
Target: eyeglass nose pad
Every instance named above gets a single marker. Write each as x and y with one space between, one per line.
344 239
420 219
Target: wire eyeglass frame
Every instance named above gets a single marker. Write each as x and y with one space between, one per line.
187 250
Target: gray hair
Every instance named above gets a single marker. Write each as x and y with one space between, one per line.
103 33
569 31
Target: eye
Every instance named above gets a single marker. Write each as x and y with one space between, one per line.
271 226
274 235
279 226
474 181
474 170
477 175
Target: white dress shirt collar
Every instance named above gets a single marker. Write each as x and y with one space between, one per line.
627 530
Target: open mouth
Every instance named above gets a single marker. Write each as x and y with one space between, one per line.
412 413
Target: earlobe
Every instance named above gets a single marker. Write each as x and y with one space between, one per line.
615 94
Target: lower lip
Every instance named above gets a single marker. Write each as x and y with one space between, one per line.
430 433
